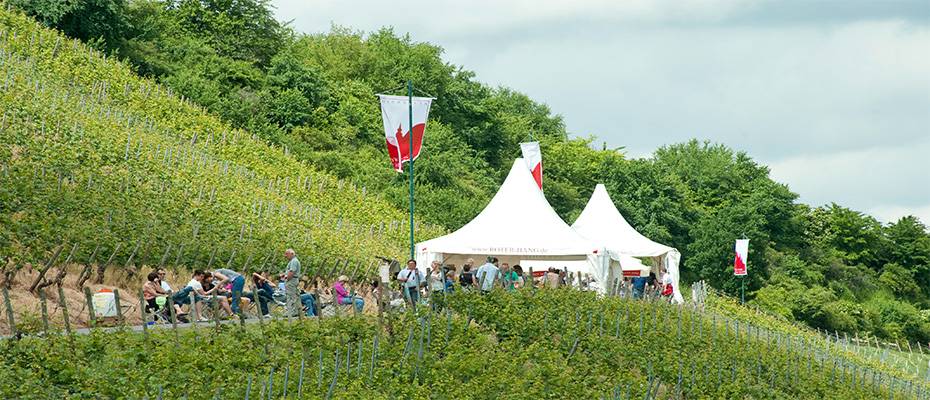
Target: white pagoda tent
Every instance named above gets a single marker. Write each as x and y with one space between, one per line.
601 223
517 225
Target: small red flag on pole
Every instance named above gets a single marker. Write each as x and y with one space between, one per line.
742 255
532 155
396 112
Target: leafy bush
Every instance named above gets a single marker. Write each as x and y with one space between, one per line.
898 320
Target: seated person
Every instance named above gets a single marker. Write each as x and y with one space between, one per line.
309 304
199 286
343 297
150 291
264 291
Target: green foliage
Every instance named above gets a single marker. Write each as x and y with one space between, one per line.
897 320
95 21
549 343
95 155
899 281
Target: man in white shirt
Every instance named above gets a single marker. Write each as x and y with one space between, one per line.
164 284
412 279
487 274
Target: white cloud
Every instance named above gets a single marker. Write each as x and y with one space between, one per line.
891 213
889 181
446 18
837 100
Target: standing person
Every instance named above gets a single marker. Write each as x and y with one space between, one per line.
506 276
467 278
450 279
667 288
228 276
412 279
639 286
488 273
518 280
342 295
626 287
652 285
552 278
291 279
436 278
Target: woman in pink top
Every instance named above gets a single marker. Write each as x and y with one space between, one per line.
342 295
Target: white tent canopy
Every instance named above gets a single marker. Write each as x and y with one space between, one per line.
518 224
603 224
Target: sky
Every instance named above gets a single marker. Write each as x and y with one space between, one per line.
834 96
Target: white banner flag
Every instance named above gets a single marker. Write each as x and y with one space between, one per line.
742 256
532 155
395 112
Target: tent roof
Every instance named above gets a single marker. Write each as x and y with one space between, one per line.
603 224
517 221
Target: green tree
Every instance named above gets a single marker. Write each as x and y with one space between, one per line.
101 22
900 282
240 29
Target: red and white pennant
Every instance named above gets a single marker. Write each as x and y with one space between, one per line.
395 112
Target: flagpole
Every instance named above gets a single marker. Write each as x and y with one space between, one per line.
742 290
410 155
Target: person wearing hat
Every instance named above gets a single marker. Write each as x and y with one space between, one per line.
342 295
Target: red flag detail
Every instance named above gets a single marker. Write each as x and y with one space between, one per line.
401 153
742 253
537 175
396 112
739 267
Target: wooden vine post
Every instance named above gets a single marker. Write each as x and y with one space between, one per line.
44 307
48 264
101 268
119 310
91 314
63 303
9 311
145 322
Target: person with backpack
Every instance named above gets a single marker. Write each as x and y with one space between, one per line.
412 279
467 277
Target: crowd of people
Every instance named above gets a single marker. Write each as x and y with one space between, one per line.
445 278
223 291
